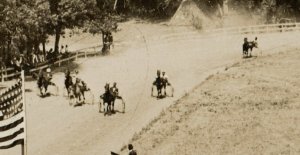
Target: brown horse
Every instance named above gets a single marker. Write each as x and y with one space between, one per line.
43 82
76 93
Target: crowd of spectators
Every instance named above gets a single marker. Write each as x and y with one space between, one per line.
36 58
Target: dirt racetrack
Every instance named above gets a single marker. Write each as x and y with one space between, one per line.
54 127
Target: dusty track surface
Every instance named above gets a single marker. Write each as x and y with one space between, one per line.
252 108
54 127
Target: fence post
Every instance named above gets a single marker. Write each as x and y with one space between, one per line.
5 75
85 56
95 51
59 62
76 56
2 75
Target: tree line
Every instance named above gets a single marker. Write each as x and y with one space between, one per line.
268 8
27 24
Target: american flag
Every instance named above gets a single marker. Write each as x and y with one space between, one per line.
12 116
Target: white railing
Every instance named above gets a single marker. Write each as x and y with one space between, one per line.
257 29
284 27
85 52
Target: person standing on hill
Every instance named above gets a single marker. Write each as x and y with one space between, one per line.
131 151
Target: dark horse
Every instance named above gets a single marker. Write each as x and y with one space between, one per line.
248 47
68 82
109 97
159 83
43 83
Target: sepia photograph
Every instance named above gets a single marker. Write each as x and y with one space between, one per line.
145 77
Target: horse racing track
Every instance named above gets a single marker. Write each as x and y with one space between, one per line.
55 127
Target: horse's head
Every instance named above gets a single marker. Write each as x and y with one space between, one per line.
106 87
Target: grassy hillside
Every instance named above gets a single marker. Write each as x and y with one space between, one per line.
252 108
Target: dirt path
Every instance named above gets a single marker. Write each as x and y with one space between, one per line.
55 127
252 108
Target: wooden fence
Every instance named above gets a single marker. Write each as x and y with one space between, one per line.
8 73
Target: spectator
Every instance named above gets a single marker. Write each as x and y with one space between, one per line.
131 151
18 63
41 56
61 50
66 49
34 58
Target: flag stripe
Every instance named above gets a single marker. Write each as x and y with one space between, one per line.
11 136
7 133
12 119
13 144
12 125
7 143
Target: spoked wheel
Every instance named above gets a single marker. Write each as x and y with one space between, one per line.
171 89
152 90
120 106
72 100
65 92
55 90
100 106
89 97
123 104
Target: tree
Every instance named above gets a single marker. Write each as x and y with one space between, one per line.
68 14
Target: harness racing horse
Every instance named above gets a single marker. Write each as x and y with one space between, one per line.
159 85
68 83
109 97
248 47
76 93
43 83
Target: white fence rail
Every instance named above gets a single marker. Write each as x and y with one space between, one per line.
270 28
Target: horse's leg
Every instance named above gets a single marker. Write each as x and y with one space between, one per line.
113 105
68 91
46 88
41 91
158 91
109 106
83 95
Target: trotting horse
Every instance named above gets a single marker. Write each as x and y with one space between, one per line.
248 47
159 86
76 93
68 82
43 83
109 97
